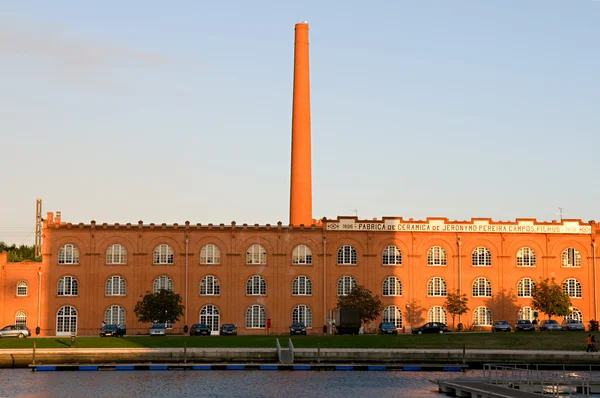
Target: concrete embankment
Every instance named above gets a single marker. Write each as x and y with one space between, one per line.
17 358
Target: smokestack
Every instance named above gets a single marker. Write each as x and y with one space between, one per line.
301 173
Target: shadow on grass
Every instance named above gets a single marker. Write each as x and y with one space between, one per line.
63 342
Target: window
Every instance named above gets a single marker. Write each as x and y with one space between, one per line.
68 286
525 257
209 286
256 317
571 258
436 287
21 318
116 254
482 316
210 254
481 257
163 254
482 287
256 254
525 314
66 321
437 314
572 287
68 254
302 255
392 314
163 282
256 286
346 255
392 286
525 287
391 256
116 286
302 314
436 256
575 314
210 315
22 288
114 315
302 286
345 285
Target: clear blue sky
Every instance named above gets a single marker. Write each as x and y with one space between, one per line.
125 111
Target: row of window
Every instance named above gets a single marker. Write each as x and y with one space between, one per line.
346 255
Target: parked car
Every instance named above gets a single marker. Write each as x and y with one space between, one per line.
501 326
387 328
158 329
113 330
431 327
19 331
199 329
298 328
228 329
524 325
572 325
549 325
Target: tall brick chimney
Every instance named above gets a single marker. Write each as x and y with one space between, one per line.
301 173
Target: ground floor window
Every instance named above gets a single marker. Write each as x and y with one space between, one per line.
302 314
256 317
210 315
525 314
437 314
393 315
575 314
482 316
21 318
114 315
66 321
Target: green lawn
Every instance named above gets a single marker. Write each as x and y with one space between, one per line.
522 341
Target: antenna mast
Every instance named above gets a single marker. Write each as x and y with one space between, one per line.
38 228
561 212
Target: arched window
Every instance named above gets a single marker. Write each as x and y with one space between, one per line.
572 287
21 288
575 314
256 254
391 314
163 282
526 257
346 255
525 314
256 317
571 257
66 321
302 286
436 287
21 318
482 316
116 254
68 286
114 315
116 286
256 286
210 254
436 256
437 314
163 254
345 285
302 255
68 254
392 286
302 314
210 315
481 257
482 287
209 286
525 287
391 256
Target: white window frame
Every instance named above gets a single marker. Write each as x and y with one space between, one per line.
437 314
256 254
576 314
115 285
391 255
66 323
437 257
573 288
302 313
571 258
392 286
21 318
525 314
256 317
256 286
345 285
68 254
210 286
346 255
22 289
302 286
302 254
525 287
482 287
210 255
115 315
482 316
163 254
68 286
437 287
481 257
392 314
211 316
162 282
526 257
116 254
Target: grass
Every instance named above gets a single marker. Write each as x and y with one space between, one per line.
575 341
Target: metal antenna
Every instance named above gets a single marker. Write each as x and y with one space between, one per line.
355 212
561 212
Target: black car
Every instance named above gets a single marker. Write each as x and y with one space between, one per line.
432 327
524 325
298 328
113 330
200 329
501 326
387 328
228 329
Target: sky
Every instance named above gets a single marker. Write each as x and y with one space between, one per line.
125 111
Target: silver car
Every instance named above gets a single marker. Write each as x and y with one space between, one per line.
549 325
19 331
572 324
158 329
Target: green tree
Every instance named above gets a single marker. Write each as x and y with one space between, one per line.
19 253
362 298
414 313
456 304
549 298
164 306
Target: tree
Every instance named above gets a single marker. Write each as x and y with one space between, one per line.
362 298
456 304
19 253
549 298
503 305
162 307
414 313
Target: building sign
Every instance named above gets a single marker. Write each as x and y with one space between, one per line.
520 227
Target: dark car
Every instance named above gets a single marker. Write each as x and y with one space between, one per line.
549 325
228 329
298 328
501 326
524 325
431 327
19 331
200 329
387 328
112 330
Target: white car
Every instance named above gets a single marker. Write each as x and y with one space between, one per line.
19 331
158 329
